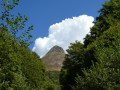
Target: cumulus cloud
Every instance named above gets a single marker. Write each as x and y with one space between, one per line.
64 33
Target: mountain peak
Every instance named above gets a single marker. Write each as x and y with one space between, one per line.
56 48
54 58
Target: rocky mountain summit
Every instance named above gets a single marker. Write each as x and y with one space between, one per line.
56 49
54 58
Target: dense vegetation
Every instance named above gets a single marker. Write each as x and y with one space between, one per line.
53 77
95 64
92 65
20 69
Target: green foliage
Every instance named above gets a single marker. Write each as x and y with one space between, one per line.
72 65
10 64
33 69
109 14
13 25
95 64
49 86
53 77
104 74
20 69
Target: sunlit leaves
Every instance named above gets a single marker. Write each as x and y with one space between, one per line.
15 24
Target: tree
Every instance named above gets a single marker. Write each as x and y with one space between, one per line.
53 78
20 69
109 14
11 24
72 65
33 69
10 64
100 48
104 74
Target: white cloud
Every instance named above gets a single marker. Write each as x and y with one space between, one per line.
64 33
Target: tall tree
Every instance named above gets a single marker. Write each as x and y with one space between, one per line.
10 74
72 65
105 73
109 14
98 48
20 69
10 64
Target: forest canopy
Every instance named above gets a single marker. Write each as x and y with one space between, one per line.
95 64
20 69
91 65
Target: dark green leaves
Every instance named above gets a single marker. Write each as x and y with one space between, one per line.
95 64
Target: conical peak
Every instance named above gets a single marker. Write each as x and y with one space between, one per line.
56 48
54 58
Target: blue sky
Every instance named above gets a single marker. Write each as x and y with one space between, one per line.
44 13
